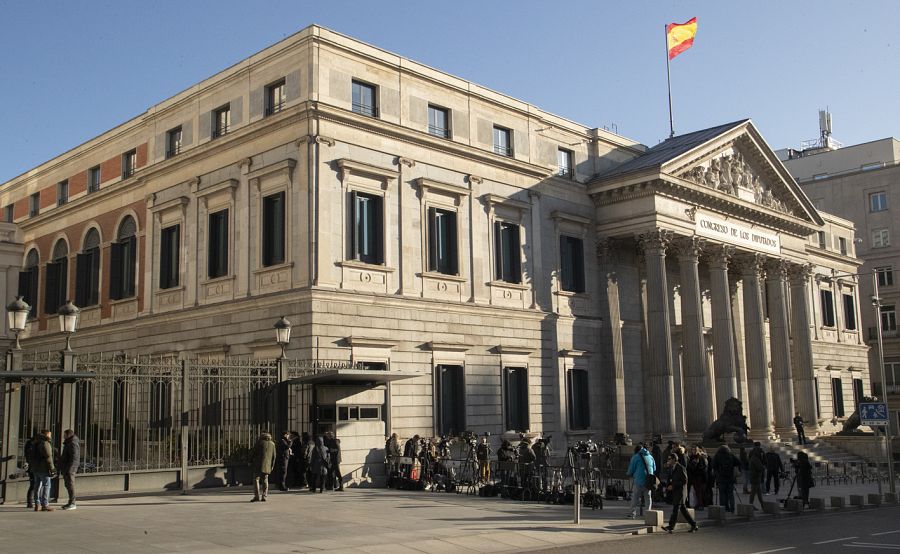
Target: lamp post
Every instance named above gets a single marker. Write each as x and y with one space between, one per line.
17 315
68 320
282 334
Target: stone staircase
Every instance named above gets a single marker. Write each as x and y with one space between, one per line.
818 451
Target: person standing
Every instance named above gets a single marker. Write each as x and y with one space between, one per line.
30 446
68 464
757 471
283 451
43 468
318 466
774 469
263 464
724 464
697 472
678 492
804 477
640 469
483 456
335 477
798 424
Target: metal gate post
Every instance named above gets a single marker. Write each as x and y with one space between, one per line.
10 451
185 413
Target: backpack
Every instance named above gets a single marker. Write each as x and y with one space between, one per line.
652 480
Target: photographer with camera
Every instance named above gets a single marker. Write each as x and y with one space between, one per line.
804 477
642 470
725 465
542 453
483 456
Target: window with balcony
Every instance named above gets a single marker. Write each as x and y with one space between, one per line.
273 230
503 141
62 192
367 231
129 163
507 252
579 400
275 98
820 235
878 201
34 204
849 312
170 257
9 213
438 121
571 257
221 121
93 179
173 142
515 385
827 308
87 271
451 399
881 238
442 245
123 261
565 163
217 250
56 278
364 99
885 276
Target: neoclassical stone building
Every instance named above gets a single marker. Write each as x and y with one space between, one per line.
531 273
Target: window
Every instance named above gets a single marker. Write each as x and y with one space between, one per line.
818 402
827 308
28 281
273 229
451 394
217 250
211 404
438 121
34 204
579 406
56 283
10 213
571 256
275 98
364 99
858 392
123 261
821 237
87 271
161 407
849 312
373 366
367 233
508 259
221 121
62 192
842 245
173 142
516 383
878 201
502 141
881 238
889 319
885 276
169 257
358 413
129 163
93 179
837 396
442 254
564 162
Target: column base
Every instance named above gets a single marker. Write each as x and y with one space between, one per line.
763 435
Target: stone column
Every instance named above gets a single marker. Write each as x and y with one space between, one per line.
760 408
804 373
611 333
780 346
661 374
694 369
723 337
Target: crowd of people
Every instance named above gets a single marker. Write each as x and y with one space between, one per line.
296 461
685 479
44 462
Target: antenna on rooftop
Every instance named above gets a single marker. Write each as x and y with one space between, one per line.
825 127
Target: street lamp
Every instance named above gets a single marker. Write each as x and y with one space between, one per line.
17 314
68 320
282 334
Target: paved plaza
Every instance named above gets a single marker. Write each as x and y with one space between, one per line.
357 520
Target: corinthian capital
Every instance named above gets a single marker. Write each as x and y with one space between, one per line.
750 264
719 254
800 273
688 247
607 248
777 269
657 239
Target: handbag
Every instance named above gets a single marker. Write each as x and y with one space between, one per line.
652 480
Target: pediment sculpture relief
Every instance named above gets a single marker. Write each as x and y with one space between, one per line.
731 174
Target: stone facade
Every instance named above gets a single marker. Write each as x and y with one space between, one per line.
669 317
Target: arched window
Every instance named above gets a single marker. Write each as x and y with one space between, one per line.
56 281
87 271
28 280
123 261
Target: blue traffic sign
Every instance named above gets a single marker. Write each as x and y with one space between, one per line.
873 413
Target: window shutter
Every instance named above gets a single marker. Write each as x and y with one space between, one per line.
451 244
498 252
115 271
51 288
62 289
175 254
23 286
354 227
129 260
432 240
515 254
81 280
95 277
378 229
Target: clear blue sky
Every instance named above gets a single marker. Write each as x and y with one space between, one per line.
72 70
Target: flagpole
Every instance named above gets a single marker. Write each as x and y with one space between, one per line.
669 83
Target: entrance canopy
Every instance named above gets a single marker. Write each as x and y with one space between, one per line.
353 377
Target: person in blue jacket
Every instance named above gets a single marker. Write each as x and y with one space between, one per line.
641 465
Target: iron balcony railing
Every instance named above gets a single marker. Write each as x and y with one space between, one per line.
443 132
503 150
274 108
220 131
565 172
365 109
172 152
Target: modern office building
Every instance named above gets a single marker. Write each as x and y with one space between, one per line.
505 269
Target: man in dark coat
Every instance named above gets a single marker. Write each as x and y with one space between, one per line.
283 453
723 465
263 464
68 464
774 468
804 477
29 459
318 463
43 468
678 493
798 425
335 477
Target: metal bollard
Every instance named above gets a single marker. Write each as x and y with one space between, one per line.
577 503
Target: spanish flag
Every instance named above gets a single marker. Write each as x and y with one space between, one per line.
680 36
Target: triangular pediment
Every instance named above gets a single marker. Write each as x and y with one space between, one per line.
739 163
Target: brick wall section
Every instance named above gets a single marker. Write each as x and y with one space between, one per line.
142 155
77 183
111 169
20 208
48 197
